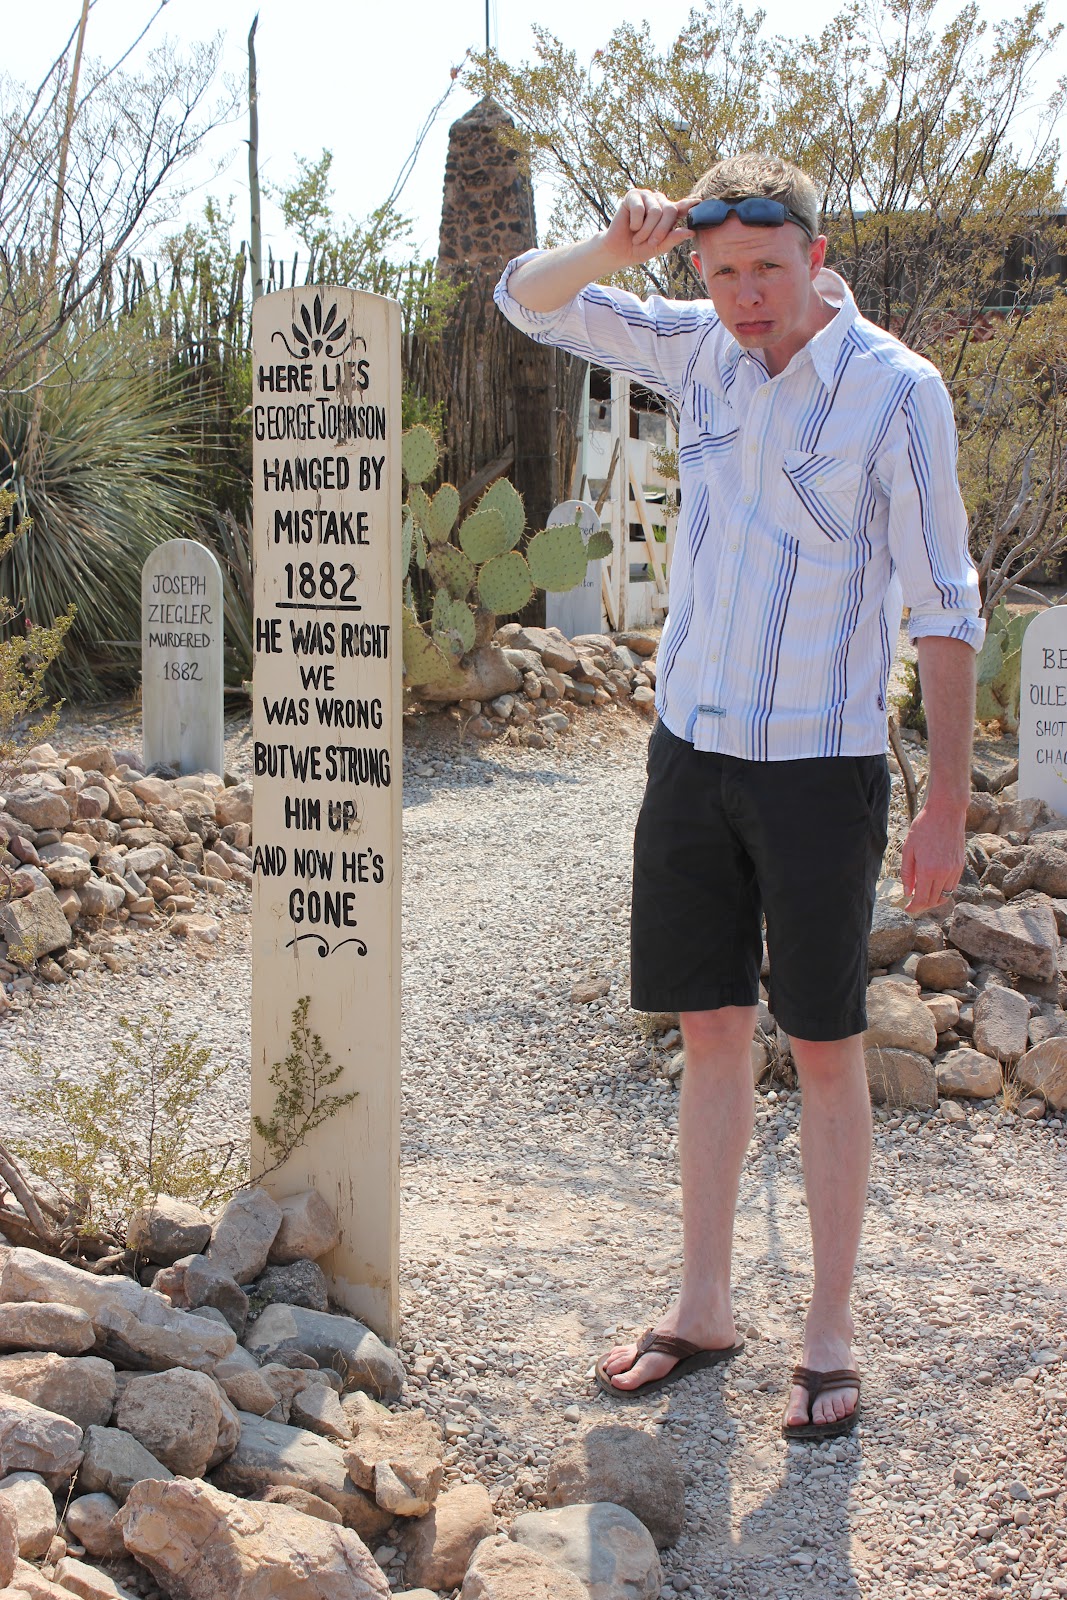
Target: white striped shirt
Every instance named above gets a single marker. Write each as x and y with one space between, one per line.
813 505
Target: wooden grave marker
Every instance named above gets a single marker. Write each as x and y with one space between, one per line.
1043 710
181 657
327 757
579 610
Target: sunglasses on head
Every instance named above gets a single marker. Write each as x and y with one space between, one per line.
756 211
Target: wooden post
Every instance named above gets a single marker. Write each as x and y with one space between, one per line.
620 498
181 657
327 753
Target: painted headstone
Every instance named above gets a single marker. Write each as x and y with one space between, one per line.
1043 710
578 610
181 657
327 754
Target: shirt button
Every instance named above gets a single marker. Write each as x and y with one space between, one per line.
713 658
724 605
748 499
735 546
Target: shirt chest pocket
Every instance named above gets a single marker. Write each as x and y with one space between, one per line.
819 497
715 421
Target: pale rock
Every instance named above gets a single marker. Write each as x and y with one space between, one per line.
898 1020
299 1283
29 1582
1042 1072
316 1406
247 1389
439 1545
403 1594
114 1461
200 1543
229 1431
77 1577
176 1415
333 1341
168 1229
952 1111
29 1499
91 1520
81 1388
552 645
92 803
942 969
901 1078
33 925
590 989
41 809
484 674
196 925
9 1543
1022 816
892 935
1001 1022
99 899
1048 1024
944 1009
626 1467
67 873
1031 1108
273 1453
242 1236
35 1440
1021 937
135 1326
234 805
605 1546
208 1283
969 1075
312 1505
396 1455
501 1570
64 1330
216 867
308 1229
94 758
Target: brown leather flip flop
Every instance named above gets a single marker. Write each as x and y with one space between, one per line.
688 1358
816 1383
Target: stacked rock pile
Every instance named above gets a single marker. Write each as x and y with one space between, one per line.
217 1431
533 679
87 841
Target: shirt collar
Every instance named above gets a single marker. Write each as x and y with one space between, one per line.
824 349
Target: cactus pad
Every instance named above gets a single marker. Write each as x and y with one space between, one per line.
418 453
503 496
441 513
419 505
505 584
424 661
420 547
407 540
450 569
452 624
557 559
483 536
598 546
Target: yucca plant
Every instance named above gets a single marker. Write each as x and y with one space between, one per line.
108 478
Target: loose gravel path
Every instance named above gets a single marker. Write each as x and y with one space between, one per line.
541 1212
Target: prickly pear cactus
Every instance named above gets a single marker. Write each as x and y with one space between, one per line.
1000 668
482 559
483 535
418 454
505 584
598 546
557 559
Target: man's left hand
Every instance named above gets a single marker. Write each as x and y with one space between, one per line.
934 856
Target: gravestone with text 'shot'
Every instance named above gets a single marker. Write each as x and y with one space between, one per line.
327 752
1043 710
581 609
181 657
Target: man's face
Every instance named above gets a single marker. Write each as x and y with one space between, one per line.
760 281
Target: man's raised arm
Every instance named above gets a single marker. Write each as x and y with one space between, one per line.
645 225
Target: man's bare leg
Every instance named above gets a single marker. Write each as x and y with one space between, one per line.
836 1149
714 1129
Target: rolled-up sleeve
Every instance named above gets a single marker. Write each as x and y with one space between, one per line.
927 517
645 339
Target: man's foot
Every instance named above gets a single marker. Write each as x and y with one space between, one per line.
627 1370
823 1353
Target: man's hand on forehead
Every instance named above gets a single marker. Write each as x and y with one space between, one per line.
647 224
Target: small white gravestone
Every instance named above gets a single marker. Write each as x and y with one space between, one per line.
181 657
579 610
327 756
1043 710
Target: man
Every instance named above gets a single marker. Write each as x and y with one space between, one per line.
818 488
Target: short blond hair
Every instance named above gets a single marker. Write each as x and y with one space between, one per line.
737 177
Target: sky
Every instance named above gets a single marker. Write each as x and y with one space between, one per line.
356 79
